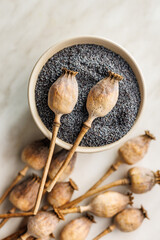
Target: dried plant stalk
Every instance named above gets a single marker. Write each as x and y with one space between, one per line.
105 232
112 169
15 235
129 153
20 175
127 220
62 98
106 205
124 181
13 215
4 221
100 101
140 180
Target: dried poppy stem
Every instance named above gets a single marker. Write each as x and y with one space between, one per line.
100 101
62 98
106 205
127 220
15 235
84 130
3 222
105 232
12 210
20 175
35 156
112 169
56 126
124 181
140 180
20 214
130 153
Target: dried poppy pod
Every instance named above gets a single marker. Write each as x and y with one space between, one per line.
23 196
62 98
63 94
57 162
77 229
140 180
35 154
41 226
61 193
103 97
129 153
100 101
134 150
105 205
127 220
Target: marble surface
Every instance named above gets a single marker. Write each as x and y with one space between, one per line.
27 29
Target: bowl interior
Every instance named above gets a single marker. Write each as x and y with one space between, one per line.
56 48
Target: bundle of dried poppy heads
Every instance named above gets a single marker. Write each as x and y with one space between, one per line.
26 196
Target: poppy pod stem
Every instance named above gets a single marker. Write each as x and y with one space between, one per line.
55 129
112 169
16 234
105 232
83 131
100 101
124 181
19 214
20 175
4 221
62 98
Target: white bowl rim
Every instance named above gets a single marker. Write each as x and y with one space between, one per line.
40 63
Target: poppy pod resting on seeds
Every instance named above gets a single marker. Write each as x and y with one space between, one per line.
77 229
62 97
100 101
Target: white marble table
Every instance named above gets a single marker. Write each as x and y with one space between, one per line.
27 29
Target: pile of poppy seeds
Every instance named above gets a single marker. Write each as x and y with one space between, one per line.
92 63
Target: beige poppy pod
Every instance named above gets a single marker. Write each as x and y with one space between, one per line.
35 154
77 229
57 162
41 225
61 193
108 204
103 96
63 94
130 219
135 149
127 220
142 179
24 195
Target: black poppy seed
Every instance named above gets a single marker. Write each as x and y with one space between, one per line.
90 61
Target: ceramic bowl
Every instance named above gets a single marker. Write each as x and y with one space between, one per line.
83 40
